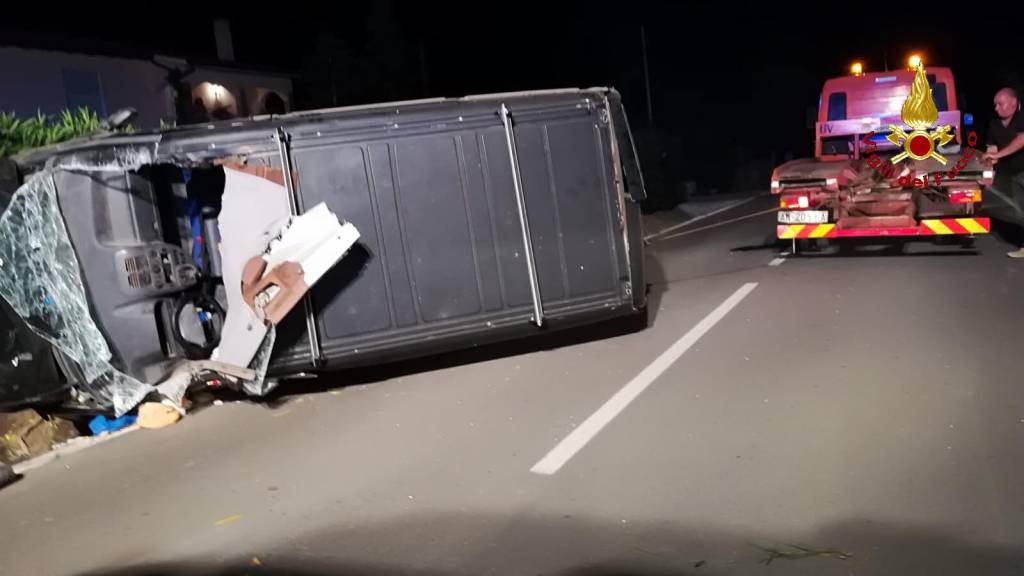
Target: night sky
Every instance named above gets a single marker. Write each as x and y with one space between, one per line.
730 86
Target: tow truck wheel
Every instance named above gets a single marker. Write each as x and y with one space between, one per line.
899 247
967 242
812 245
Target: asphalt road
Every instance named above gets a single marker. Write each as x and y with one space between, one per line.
867 408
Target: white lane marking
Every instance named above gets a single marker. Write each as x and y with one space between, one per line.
586 431
716 212
778 261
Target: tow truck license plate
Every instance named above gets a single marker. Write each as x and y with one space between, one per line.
804 217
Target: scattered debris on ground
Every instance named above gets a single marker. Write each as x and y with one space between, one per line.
799 553
102 425
27 434
154 415
228 520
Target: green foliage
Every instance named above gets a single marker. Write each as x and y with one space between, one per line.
18 134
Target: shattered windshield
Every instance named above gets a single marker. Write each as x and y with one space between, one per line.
41 280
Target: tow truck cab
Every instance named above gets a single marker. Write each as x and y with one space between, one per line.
852 106
851 187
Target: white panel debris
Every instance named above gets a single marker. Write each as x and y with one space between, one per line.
270 260
306 248
253 209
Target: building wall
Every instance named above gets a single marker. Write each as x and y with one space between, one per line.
32 80
50 81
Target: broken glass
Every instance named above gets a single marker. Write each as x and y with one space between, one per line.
41 279
261 385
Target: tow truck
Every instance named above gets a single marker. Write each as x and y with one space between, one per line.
861 182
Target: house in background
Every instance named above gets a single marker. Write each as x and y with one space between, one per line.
160 88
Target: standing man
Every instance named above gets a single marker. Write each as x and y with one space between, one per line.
1005 142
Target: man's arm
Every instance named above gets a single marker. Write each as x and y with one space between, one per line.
1014 146
990 145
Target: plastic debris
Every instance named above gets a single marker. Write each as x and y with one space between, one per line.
154 415
102 425
228 520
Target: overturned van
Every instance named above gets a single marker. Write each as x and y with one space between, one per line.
243 252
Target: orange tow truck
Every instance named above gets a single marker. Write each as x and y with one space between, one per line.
891 159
